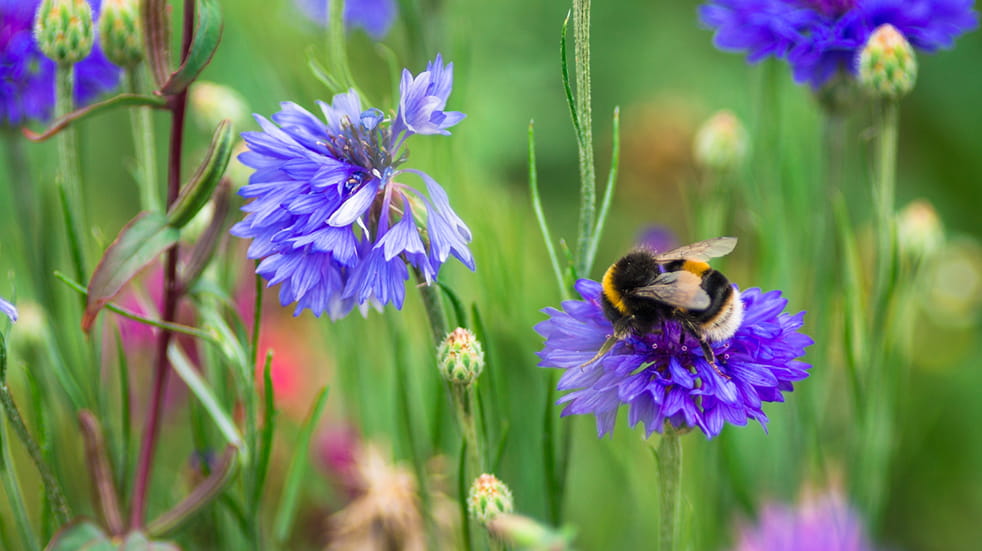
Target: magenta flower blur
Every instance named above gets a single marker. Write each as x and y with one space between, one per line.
374 16
8 309
332 215
820 523
27 77
820 38
663 378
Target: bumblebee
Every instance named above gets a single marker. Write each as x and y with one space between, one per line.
644 289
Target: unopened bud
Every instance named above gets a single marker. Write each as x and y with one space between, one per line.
119 32
887 66
523 532
63 30
460 357
488 498
721 142
919 231
211 102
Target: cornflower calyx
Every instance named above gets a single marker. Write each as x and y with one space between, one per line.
119 32
63 30
460 357
887 66
489 497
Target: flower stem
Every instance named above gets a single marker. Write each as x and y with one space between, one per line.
68 169
883 199
171 296
141 122
588 184
434 309
51 487
668 456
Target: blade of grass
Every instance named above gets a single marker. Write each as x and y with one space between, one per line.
295 473
202 390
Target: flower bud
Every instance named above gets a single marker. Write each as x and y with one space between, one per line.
211 102
460 357
887 66
919 231
63 30
8 309
119 32
721 142
488 498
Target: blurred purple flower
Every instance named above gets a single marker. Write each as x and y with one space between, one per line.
657 238
329 218
9 309
663 377
820 523
374 16
27 77
819 38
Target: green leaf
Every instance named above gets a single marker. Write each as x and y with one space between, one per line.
196 193
321 74
154 15
84 536
203 391
121 100
138 243
570 101
207 35
202 495
298 468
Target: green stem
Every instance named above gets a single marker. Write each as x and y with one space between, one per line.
588 183
14 495
68 169
51 487
434 309
883 198
336 46
141 121
669 460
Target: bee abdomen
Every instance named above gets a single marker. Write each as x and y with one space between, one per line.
725 320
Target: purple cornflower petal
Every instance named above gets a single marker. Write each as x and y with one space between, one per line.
422 100
9 309
820 523
27 77
374 16
330 222
820 38
663 377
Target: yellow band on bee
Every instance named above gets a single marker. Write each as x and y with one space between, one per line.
696 267
610 291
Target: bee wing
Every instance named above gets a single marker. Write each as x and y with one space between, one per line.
702 250
680 289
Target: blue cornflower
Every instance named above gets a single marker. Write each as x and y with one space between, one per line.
27 77
824 522
8 309
665 378
374 16
332 217
820 38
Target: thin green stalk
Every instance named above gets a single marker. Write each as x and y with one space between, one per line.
434 309
883 199
615 160
68 169
51 486
668 456
141 121
25 195
540 215
588 183
336 45
8 475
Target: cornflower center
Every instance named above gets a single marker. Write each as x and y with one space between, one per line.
833 8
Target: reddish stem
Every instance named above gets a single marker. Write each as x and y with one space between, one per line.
172 295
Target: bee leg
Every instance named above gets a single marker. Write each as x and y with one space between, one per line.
707 351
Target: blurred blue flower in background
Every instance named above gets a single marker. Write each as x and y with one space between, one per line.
329 218
664 378
8 309
824 522
27 77
819 38
374 16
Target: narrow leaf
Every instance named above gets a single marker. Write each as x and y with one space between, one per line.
204 249
321 74
84 535
138 243
564 63
203 391
266 436
615 157
121 100
540 214
202 495
207 35
100 470
196 193
156 31
297 471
